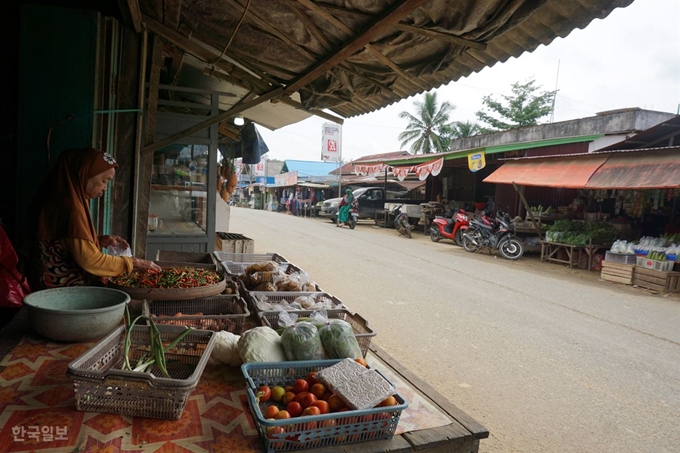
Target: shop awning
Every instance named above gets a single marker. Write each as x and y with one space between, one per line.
657 169
567 172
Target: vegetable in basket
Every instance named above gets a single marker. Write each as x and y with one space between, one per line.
261 344
337 337
300 339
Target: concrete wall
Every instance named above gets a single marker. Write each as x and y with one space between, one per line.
616 122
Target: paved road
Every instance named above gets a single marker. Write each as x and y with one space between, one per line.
548 359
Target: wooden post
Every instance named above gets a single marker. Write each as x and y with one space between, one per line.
536 224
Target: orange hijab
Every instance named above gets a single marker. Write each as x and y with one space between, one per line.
61 206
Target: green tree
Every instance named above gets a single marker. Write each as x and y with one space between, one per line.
457 130
523 108
425 128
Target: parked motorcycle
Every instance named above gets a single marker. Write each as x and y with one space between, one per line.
493 234
401 223
443 228
353 214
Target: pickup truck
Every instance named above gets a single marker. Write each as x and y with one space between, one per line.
371 199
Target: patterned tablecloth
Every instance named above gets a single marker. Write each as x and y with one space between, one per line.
37 410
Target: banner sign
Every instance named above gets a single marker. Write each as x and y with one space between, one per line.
258 168
369 170
430 168
331 142
286 179
476 161
401 172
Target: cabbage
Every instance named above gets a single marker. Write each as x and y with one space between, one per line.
226 349
261 344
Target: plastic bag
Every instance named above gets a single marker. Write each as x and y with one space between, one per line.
337 337
300 340
117 250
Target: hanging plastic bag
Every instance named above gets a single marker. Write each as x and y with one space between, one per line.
337 337
300 339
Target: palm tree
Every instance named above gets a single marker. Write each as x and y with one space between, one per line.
424 129
466 129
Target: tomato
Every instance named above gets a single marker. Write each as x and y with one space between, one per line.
300 385
282 414
311 410
273 431
318 390
326 396
322 405
327 423
264 393
361 361
389 401
288 388
300 396
271 411
311 378
277 393
335 403
294 409
308 399
287 397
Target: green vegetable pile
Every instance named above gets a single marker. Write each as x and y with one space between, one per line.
579 233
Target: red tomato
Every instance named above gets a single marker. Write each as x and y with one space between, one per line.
335 403
294 409
283 414
318 390
311 410
271 411
288 397
300 385
311 378
322 405
264 393
308 399
300 396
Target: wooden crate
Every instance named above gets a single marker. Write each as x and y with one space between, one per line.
233 243
664 282
617 272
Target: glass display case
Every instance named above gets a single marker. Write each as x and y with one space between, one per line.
179 191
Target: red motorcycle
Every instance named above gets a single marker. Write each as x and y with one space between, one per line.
450 228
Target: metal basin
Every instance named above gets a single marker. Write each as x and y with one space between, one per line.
76 313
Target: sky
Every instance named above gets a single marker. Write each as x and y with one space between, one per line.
631 58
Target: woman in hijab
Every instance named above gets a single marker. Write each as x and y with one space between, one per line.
344 207
66 250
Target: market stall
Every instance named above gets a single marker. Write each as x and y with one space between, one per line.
628 195
208 401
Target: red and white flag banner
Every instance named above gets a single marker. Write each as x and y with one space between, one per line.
401 172
430 168
368 170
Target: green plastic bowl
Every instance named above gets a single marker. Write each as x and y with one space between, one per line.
76 313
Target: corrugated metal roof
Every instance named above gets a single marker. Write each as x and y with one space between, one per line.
349 56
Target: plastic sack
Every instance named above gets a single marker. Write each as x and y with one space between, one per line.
117 250
337 337
300 340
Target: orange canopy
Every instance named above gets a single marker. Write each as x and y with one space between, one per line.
567 172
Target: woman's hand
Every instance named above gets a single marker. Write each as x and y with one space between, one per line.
116 241
145 264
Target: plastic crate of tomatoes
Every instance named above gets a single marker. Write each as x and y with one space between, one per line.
330 424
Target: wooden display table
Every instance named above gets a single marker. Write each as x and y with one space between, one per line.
39 415
579 255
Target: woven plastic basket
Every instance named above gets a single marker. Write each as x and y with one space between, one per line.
314 431
663 266
222 312
288 296
362 331
102 386
248 257
622 258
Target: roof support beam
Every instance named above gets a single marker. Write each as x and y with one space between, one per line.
395 14
211 121
285 100
348 31
132 15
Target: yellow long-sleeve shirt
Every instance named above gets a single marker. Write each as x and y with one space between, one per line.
92 260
